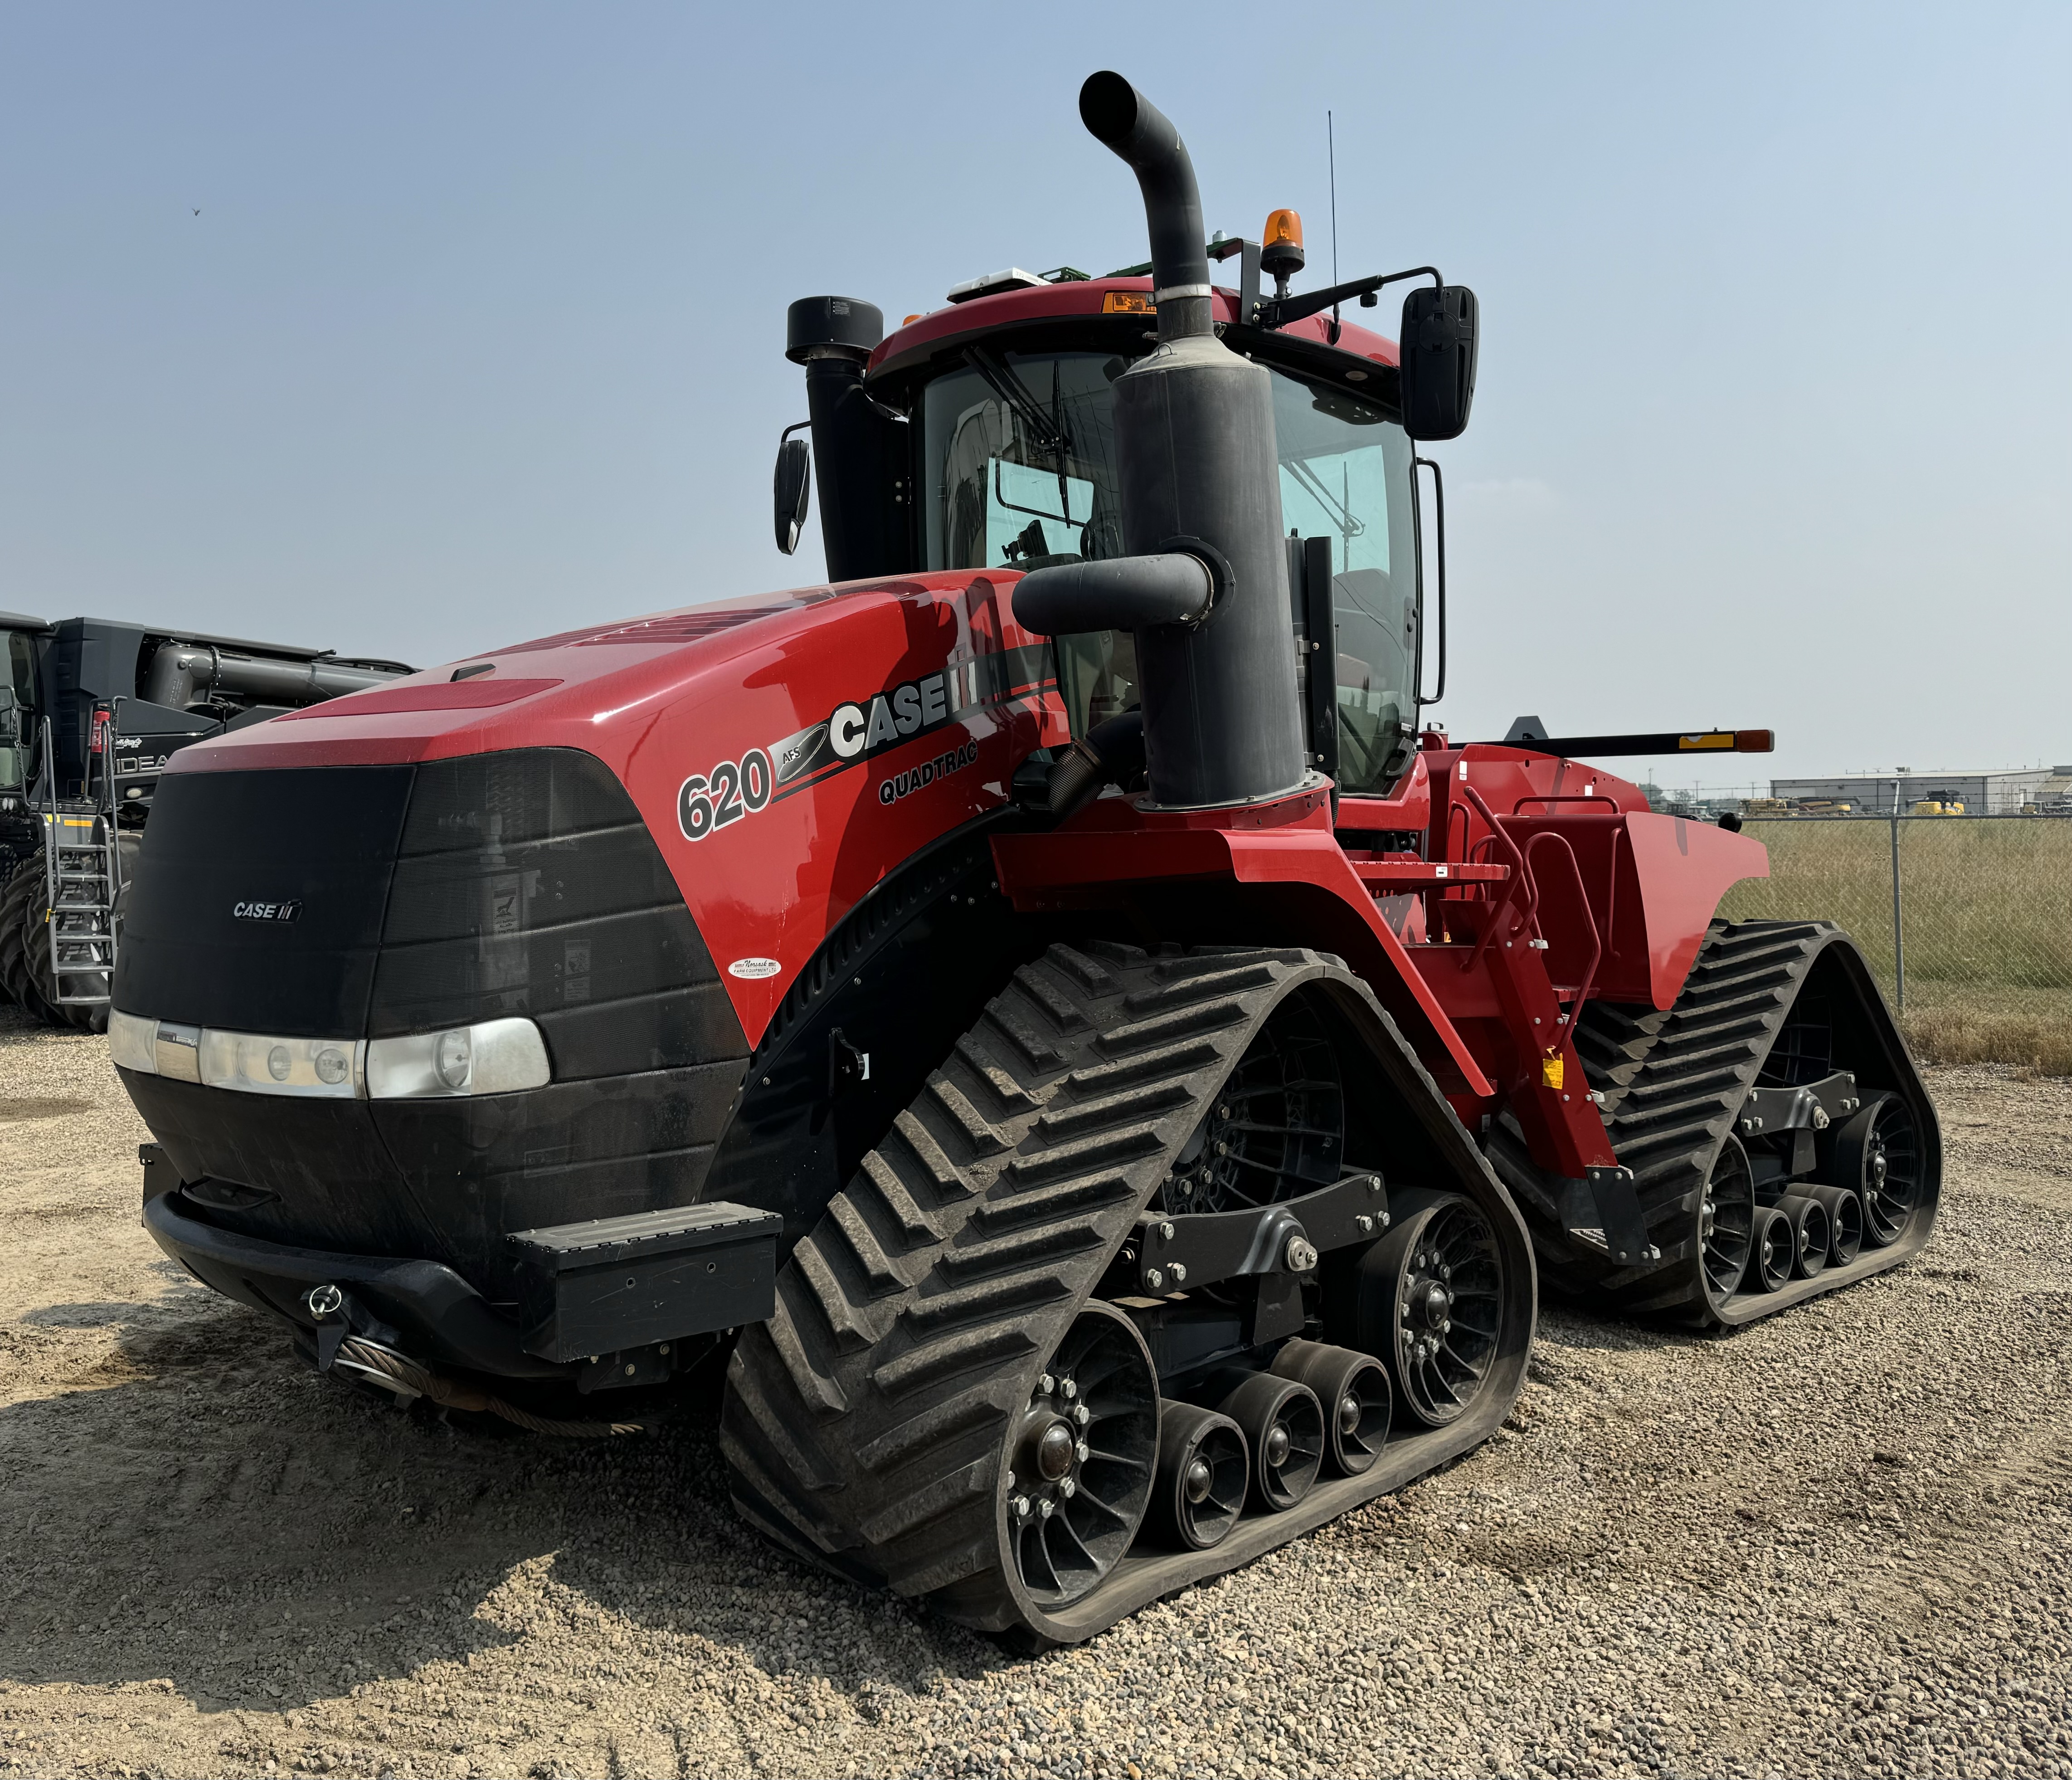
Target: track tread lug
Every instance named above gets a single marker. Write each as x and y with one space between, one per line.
984 1137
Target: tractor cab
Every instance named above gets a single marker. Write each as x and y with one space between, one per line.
988 428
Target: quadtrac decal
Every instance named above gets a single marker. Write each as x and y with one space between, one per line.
904 784
855 731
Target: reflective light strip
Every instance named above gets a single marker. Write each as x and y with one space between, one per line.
493 1056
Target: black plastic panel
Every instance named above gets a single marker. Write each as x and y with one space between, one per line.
323 838
599 1148
338 1186
520 883
526 883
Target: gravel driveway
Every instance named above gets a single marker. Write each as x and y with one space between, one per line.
1835 1543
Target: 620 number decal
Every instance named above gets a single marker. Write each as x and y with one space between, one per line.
710 800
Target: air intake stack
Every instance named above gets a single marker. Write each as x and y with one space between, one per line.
1199 478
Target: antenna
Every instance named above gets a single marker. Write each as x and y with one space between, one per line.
1331 149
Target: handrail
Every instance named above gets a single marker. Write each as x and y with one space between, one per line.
1583 897
1452 806
1578 796
1521 879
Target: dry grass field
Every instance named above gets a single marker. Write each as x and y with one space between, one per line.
1986 924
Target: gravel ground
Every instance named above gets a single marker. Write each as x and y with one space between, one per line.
1832 1543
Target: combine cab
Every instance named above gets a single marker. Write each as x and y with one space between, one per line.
1039 1021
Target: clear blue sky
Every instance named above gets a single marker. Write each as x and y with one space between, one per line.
478 333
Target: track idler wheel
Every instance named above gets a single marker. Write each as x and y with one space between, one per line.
1878 1155
1845 1221
1081 1462
1357 1400
1770 1249
1284 1426
1204 1470
1726 1222
1431 1299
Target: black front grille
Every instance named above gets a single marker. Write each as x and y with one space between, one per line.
429 897
321 838
434 896
526 883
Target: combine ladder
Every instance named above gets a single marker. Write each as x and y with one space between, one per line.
82 875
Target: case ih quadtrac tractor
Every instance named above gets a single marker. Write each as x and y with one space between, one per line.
1104 1083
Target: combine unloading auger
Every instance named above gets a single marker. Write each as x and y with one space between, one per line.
1041 1023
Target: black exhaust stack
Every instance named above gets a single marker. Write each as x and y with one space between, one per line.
861 453
1200 478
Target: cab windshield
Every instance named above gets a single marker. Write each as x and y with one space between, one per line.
1020 473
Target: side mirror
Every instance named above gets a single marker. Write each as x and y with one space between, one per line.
793 487
1439 329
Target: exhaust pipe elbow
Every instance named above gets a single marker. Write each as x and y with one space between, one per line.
1122 593
1115 113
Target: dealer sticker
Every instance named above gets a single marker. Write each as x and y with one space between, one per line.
753 968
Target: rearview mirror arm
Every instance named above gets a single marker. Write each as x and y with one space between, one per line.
1279 315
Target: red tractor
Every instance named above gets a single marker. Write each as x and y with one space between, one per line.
1038 1025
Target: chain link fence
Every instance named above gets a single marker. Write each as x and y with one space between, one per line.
1966 919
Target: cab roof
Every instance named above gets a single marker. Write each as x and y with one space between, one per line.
1088 299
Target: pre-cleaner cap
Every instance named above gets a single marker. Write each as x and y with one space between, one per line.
847 324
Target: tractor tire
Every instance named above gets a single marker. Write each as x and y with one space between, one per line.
879 1424
21 913
1766 1004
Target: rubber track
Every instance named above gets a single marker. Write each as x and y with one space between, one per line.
1674 1084
865 1422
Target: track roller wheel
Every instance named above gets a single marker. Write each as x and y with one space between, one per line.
1770 1249
1845 1221
1432 1293
1878 1154
1204 1469
1283 1425
1358 1403
1079 1464
1726 1222
1812 1234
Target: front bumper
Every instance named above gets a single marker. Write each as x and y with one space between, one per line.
434 1313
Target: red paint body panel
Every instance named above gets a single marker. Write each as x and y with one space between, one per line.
1683 868
660 703
482 693
1080 300
1116 842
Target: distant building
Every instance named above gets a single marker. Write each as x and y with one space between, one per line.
1874 794
2053 796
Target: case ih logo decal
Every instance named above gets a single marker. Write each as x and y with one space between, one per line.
266 911
853 732
903 784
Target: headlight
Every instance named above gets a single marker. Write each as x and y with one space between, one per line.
323 1069
495 1057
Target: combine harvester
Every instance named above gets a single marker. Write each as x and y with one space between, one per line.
1040 1013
